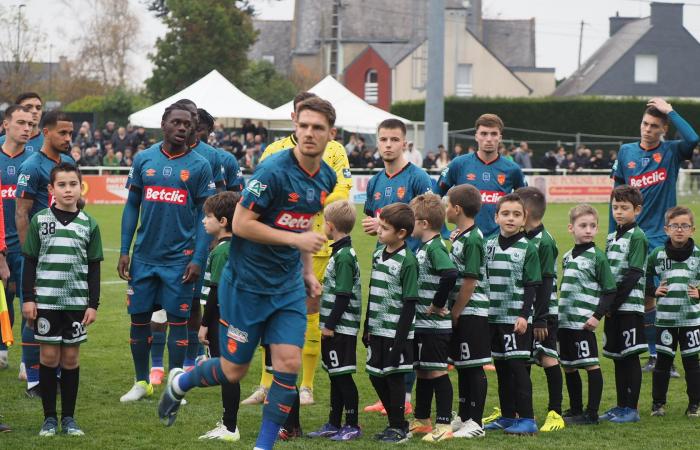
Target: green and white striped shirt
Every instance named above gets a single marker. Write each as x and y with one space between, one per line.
629 251
215 264
469 258
585 279
509 271
342 277
393 280
676 309
63 253
432 259
547 251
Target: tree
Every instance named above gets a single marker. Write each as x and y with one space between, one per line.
202 35
262 82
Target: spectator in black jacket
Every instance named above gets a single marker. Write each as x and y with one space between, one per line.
120 140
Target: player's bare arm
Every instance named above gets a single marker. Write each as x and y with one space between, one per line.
23 208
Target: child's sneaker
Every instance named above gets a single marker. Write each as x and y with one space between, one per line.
673 373
326 431
658 410
470 429
612 412
522 427
257 397
693 410
139 390
628 415
586 418
441 432
651 363
49 427
347 433
393 436
422 426
70 427
156 376
495 415
456 422
374 407
221 433
553 422
500 424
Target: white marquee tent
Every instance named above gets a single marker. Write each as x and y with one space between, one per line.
214 93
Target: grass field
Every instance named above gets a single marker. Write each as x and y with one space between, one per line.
107 373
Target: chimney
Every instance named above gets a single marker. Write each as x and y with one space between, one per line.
475 18
617 22
666 14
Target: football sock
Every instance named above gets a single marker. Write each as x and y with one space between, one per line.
595 390
505 389
620 382
424 398
381 388
443 399
634 380
49 387
479 388
280 399
575 388
650 330
351 398
554 388
692 377
660 378
397 397
292 421
140 340
30 356
230 399
265 376
157 348
267 435
335 415
192 348
70 380
523 388
464 393
209 373
177 341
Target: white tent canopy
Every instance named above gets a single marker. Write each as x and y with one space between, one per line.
353 114
214 93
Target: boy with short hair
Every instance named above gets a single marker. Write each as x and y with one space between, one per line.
544 322
389 323
587 289
437 276
626 249
61 288
218 211
469 304
513 267
341 313
677 264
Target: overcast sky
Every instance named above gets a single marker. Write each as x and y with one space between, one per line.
557 25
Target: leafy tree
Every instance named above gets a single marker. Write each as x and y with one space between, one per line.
116 105
202 35
262 82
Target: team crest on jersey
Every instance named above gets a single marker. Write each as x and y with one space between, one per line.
401 192
471 176
310 195
692 263
347 173
518 256
167 171
23 179
486 176
657 157
645 162
256 188
293 197
150 172
624 246
501 178
631 165
377 195
387 191
11 170
584 264
666 338
184 175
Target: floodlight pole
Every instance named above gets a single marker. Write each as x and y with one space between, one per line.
434 99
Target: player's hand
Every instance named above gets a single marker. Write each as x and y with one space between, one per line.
454 234
540 334
326 333
662 290
591 324
202 335
90 316
313 287
370 225
442 312
123 268
660 104
4 270
693 292
520 325
309 241
29 310
192 272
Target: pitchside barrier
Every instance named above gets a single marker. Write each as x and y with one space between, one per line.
105 185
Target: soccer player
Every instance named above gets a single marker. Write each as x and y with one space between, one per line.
469 305
61 292
168 184
18 124
586 292
341 312
486 170
626 250
437 276
32 102
334 155
262 291
32 196
513 267
390 319
218 210
544 323
231 171
652 165
677 265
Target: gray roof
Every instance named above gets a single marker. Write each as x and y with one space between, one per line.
392 54
512 41
604 58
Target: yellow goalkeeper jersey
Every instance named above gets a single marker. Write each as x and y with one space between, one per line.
334 156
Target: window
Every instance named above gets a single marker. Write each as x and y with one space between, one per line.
371 87
269 58
645 69
463 80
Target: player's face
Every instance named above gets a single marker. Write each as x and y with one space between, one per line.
584 229
313 132
391 142
388 235
19 127
652 128
65 190
202 132
328 230
511 218
679 229
211 224
59 137
623 212
451 212
177 127
35 108
488 138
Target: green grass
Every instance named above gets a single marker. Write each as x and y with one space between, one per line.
107 373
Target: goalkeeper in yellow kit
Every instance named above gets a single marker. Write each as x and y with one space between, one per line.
337 159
